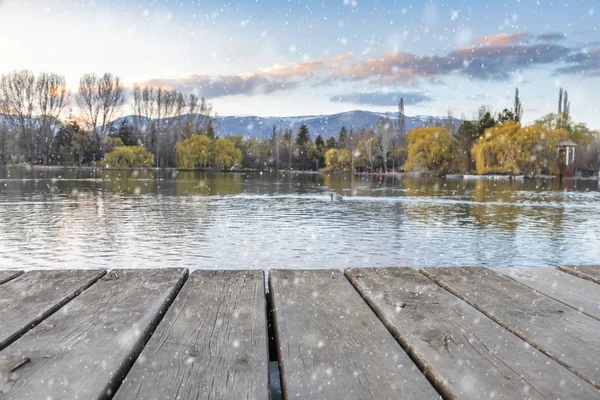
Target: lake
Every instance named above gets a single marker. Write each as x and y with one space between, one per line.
70 218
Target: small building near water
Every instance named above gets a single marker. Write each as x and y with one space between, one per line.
566 159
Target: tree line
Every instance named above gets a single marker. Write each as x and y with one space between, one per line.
42 123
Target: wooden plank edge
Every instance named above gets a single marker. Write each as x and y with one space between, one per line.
423 366
11 277
508 327
15 336
119 376
570 269
548 295
282 375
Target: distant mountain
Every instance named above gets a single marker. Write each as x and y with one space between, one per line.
325 125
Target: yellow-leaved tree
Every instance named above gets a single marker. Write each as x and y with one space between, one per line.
430 149
514 149
225 154
338 159
194 152
128 157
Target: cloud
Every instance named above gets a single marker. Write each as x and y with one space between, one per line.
485 63
228 85
499 63
268 80
585 63
502 39
381 98
551 37
498 58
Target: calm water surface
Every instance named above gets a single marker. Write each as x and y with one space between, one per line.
83 218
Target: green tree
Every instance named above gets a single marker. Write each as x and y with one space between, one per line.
465 136
303 136
486 121
343 138
304 148
126 133
331 143
577 132
210 129
507 116
518 107
71 144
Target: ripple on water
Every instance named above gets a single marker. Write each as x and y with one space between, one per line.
272 221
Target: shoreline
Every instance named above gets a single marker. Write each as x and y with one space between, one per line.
496 177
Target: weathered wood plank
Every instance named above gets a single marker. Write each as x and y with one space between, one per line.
332 346
580 294
465 353
211 344
33 296
85 349
589 272
6 276
559 331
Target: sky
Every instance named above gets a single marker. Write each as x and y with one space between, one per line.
294 57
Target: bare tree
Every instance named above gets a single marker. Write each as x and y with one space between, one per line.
276 138
290 143
100 101
51 98
17 103
385 137
144 109
367 138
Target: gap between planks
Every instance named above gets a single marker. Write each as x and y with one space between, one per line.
562 333
588 272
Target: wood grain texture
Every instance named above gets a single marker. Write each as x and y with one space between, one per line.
6 276
332 346
85 349
561 332
26 300
570 290
589 272
211 344
465 353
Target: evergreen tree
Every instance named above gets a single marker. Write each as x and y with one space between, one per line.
72 144
465 136
331 143
518 107
564 109
507 116
210 130
303 136
319 142
127 134
401 123
486 121
304 148
343 136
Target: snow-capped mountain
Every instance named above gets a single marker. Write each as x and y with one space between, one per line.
325 125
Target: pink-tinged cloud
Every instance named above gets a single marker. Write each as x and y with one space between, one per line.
393 69
268 80
503 39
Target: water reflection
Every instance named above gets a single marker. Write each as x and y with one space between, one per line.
94 218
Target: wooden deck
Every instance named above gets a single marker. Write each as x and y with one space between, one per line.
385 333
